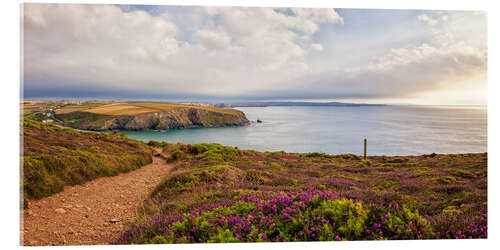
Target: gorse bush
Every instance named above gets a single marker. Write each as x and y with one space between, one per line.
398 223
280 216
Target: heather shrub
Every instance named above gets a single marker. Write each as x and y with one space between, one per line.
54 157
280 216
317 154
158 144
216 152
348 157
448 179
456 224
254 176
366 162
463 174
274 153
198 149
175 155
223 194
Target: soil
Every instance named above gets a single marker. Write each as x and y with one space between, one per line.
94 213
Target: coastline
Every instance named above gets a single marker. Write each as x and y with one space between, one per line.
432 189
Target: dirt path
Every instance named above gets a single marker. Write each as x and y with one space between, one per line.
96 212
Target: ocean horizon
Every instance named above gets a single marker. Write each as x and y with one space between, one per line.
390 130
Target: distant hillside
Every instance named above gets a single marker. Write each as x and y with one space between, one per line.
54 157
146 116
268 104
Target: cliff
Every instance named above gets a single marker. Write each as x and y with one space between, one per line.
178 117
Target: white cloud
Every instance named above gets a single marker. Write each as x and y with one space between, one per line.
425 18
245 49
212 39
232 51
317 47
451 61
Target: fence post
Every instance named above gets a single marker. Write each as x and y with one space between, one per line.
364 155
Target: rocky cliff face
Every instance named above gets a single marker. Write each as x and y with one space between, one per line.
178 118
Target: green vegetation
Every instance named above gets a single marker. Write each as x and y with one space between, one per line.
217 193
80 119
224 194
54 157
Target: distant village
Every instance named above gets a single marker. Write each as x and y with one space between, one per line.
47 108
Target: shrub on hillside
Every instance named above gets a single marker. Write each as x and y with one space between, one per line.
54 157
280 216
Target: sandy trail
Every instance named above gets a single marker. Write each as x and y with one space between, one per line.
94 213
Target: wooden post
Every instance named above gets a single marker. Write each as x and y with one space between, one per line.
364 155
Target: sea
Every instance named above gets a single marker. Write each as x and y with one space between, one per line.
389 130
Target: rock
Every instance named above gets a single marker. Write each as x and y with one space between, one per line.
176 118
60 211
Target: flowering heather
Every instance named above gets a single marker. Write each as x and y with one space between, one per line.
54 157
223 194
283 216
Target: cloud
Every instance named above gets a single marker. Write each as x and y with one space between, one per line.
317 47
449 61
233 52
212 39
426 19
404 72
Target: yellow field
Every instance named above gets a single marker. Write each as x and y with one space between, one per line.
128 108
66 110
30 105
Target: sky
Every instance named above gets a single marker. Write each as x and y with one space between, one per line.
180 53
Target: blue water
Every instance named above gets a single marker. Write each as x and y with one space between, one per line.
390 130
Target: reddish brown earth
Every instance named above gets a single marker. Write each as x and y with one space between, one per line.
95 213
